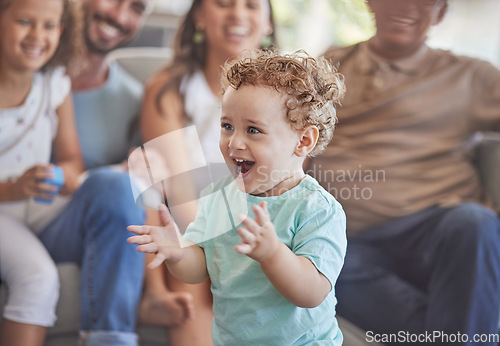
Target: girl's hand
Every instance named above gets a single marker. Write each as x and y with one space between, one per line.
163 241
258 238
31 184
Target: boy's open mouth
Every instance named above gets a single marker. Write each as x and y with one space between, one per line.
243 166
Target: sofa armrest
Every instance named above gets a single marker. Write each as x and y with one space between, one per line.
487 160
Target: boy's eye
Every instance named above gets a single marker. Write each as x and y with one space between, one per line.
253 130
226 126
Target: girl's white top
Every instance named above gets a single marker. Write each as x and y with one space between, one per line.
27 131
26 136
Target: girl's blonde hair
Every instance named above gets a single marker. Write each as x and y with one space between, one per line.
314 87
71 46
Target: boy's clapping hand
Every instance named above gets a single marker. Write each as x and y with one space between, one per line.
258 237
164 241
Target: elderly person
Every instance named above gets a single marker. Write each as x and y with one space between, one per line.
423 248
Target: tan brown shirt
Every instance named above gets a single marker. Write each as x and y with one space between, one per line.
399 144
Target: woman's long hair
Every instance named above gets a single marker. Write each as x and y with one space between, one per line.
188 56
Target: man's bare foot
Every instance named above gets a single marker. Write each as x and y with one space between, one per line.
168 309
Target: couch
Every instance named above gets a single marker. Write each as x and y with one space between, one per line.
141 62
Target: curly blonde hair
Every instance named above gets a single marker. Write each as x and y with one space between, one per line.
314 87
71 46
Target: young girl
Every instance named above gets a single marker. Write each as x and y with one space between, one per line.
272 275
38 39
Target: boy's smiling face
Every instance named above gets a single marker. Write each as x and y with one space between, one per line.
258 142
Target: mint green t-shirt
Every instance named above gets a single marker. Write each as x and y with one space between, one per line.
248 310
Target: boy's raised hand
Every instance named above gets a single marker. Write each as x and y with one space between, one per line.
163 241
258 237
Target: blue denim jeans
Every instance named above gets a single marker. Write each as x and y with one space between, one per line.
436 270
91 231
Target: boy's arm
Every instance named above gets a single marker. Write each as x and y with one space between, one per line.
185 261
192 269
295 277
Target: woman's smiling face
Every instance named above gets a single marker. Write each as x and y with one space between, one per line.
232 26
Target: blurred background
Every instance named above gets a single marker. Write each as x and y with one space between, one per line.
471 27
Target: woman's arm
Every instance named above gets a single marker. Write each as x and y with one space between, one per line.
162 126
67 147
197 331
155 123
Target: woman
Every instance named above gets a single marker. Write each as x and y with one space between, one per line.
186 93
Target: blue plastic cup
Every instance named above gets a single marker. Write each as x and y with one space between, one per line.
57 180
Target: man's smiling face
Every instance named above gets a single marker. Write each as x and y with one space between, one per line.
112 23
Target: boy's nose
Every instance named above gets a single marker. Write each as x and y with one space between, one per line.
236 142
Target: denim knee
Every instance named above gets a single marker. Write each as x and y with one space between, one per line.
473 224
111 192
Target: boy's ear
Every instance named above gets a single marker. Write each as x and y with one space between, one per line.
307 141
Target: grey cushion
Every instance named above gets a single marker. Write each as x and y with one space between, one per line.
487 159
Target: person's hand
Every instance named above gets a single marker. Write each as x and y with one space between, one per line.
31 184
163 241
258 238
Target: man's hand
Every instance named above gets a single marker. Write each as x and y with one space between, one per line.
258 238
163 241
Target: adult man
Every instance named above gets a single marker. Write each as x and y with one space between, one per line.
106 98
107 101
422 257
